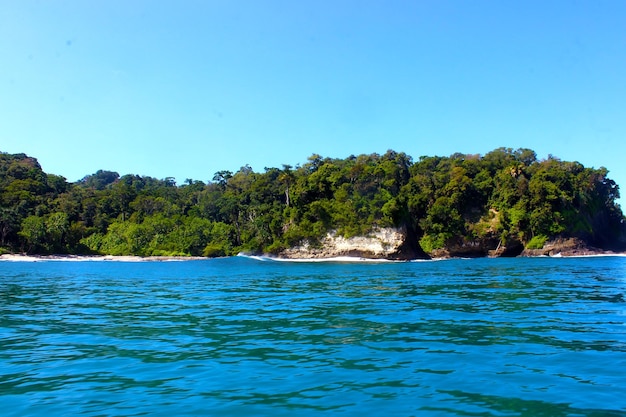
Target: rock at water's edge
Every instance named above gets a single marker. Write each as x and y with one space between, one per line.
565 247
478 248
397 244
384 243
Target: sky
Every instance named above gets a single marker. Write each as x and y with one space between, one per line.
187 88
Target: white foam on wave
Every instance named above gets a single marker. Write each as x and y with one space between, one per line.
430 260
254 257
595 255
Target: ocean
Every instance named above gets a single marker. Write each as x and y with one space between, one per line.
255 337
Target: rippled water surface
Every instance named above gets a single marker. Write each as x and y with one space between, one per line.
237 336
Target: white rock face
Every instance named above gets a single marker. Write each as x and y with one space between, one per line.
380 243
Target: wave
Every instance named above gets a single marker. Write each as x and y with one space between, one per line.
255 257
593 255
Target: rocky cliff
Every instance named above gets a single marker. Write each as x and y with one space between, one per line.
384 243
463 248
477 248
395 244
565 247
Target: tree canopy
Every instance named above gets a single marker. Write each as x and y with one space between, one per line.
506 196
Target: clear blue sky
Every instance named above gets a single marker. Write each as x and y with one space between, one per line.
187 88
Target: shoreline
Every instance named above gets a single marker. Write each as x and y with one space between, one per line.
261 258
95 258
350 259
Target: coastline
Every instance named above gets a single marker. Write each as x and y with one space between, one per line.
95 258
347 259
267 258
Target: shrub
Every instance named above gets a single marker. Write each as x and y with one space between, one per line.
431 242
537 242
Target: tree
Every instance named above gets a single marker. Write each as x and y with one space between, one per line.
286 178
222 177
100 180
33 231
9 225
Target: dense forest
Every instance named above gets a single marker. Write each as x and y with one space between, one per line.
507 197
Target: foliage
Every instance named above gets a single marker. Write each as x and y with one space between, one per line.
503 195
429 243
537 242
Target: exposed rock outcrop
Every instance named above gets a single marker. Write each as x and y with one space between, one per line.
565 247
463 248
385 243
397 244
478 248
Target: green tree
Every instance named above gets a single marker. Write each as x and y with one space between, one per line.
33 231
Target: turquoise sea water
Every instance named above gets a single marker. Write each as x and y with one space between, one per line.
243 337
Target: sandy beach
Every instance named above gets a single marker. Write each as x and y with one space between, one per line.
94 258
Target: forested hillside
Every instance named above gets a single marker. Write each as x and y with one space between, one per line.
506 198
